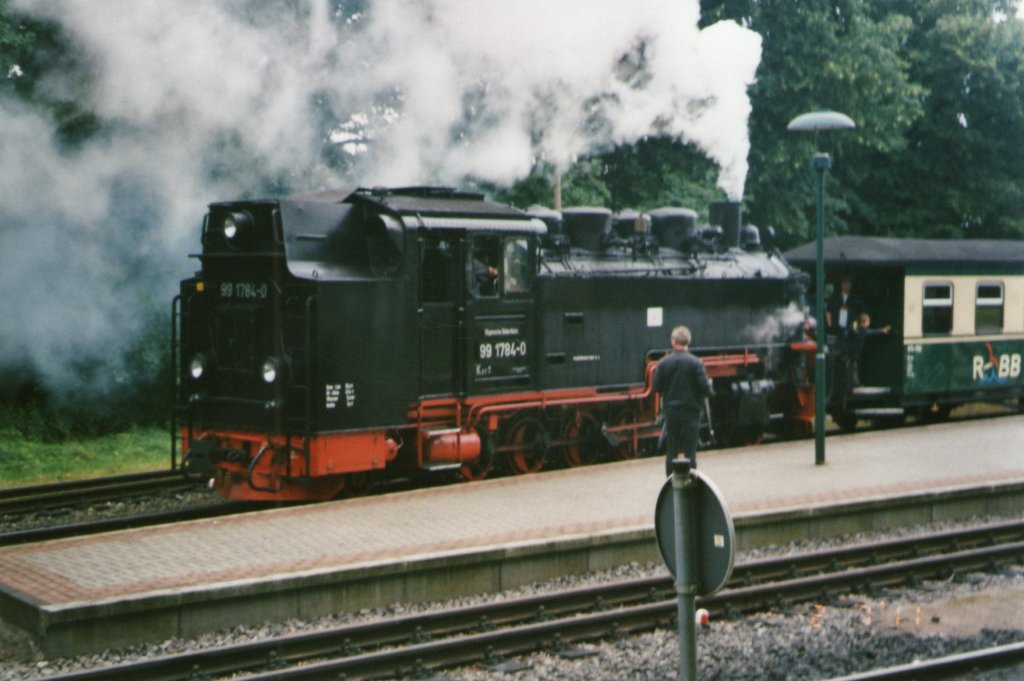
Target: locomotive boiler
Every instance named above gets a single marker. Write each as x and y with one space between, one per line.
331 339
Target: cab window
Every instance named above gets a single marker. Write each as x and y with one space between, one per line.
498 266
988 307
516 262
937 310
485 266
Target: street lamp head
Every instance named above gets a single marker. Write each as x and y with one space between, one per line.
820 120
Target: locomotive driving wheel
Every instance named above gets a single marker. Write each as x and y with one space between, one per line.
584 431
527 441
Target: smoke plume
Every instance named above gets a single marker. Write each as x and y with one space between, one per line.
204 100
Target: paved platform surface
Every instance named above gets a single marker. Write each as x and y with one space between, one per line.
499 512
555 506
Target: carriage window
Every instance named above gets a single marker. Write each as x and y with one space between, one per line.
517 265
937 309
988 307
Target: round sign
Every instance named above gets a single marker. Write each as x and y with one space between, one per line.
715 544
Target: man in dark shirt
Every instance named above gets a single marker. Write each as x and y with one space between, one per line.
842 309
683 384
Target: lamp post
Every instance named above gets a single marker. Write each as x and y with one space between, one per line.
821 162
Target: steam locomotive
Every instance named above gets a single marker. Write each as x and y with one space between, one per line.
332 339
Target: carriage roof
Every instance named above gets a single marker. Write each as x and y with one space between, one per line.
889 252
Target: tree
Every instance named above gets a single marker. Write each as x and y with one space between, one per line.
962 174
661 171
937 91
16 41
822 54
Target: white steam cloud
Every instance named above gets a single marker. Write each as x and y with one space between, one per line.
777 328
202 100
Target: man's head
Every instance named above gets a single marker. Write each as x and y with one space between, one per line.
865 320
846 285
681 337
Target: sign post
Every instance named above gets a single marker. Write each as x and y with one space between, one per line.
697 541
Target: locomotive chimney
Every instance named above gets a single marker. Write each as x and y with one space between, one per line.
587 227
729 216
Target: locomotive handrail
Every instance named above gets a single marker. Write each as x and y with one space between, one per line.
307 436
175 378
478 411
663 270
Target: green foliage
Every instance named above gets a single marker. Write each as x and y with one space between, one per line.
34 55
17 39
937 91
535 189
964 167
24 460
139 395
853 64
658 172
584 184
653 173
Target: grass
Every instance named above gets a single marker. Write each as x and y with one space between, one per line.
28 461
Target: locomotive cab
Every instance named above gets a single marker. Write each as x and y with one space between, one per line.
476 309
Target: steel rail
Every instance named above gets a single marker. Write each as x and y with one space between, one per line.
950 666
38 534
624 607
75 493
71 485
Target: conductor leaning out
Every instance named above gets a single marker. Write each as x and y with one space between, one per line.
683 384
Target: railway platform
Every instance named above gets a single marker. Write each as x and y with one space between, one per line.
101 591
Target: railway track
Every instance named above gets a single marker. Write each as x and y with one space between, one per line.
953 666
81 529
60 495
490 633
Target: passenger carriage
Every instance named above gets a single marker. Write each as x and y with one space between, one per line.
956 308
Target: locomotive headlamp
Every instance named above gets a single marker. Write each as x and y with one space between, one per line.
236 227
230 228
270 370
197 367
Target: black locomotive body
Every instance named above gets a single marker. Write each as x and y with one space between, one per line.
330 338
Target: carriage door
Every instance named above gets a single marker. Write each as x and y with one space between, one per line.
441 300
500 274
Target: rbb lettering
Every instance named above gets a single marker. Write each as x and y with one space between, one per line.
1008 367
